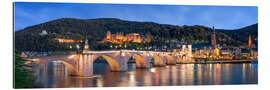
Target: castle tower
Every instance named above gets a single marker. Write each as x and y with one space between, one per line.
213 38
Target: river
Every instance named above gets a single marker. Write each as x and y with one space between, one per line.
56 76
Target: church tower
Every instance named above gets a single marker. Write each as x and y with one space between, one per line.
213 38
109 35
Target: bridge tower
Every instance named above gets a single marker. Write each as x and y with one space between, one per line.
86 46
190 50
183 47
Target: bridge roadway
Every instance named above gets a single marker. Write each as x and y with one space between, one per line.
82 64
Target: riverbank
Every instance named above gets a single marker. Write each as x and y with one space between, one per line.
219 61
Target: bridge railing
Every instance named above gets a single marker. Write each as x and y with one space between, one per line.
131 51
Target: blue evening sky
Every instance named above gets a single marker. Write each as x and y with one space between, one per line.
222 17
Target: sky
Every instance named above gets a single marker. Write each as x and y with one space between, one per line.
222 17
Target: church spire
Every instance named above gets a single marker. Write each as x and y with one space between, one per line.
213 38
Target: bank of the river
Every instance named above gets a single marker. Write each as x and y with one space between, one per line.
221 61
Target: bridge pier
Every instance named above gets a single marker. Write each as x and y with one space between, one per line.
170 59
122 61
159 60
147 60
85 65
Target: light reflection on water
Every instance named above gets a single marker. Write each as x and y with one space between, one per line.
56 75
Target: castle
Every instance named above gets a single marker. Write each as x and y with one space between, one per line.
120 38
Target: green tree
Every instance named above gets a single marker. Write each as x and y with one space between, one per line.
22 77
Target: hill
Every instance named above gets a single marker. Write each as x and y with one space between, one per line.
29 39
242 33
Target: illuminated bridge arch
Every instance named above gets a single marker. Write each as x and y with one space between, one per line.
69 66
113 64
170 60
179 59
158 60
140 61
183 59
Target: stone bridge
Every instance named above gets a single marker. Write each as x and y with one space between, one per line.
82 64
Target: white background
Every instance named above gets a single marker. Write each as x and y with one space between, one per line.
6 36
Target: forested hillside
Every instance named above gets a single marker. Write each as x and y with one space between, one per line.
29 39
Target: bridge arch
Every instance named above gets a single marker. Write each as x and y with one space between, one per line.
157 60
140 61
72 70
170 60
184 58
69 66
179 59
113 64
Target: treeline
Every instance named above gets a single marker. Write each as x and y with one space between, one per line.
242 34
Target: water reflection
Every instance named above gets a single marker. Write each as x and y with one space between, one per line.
55 75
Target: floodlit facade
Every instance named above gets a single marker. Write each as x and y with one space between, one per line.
120 38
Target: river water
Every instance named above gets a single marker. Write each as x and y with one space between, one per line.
56 76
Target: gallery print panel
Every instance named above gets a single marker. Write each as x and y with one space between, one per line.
63 45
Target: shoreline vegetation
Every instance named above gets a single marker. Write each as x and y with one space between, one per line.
22 73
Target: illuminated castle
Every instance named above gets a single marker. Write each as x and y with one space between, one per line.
119 38
61 40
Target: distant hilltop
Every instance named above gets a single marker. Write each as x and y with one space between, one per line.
42 37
